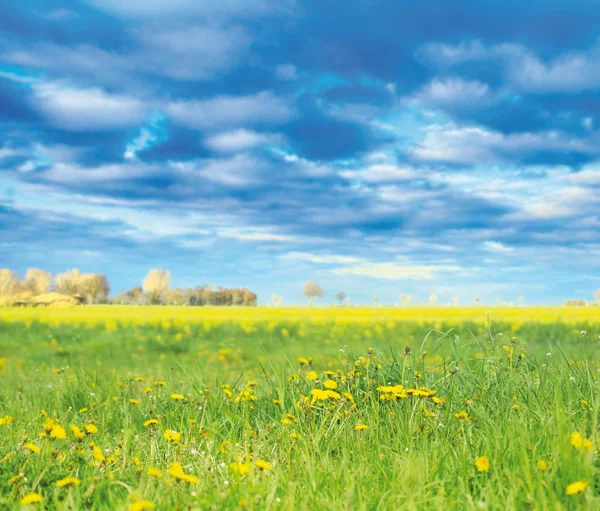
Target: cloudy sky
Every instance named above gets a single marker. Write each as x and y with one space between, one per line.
380 148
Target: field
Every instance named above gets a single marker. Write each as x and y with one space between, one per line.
299 408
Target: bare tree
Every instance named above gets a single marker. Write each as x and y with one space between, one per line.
276 299
94 286
341 296
432 299
405 299
38 281
156 283
68 282
8 281
312 290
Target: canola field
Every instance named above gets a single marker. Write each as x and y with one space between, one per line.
166 408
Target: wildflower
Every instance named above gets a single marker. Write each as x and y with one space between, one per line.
83 410
588 445
542 465
330 384
240 468
263 465
58 432
141 505
226 446
462 415
32 447
173 436
154 472
6 420
68 481
97 453
31 498
176 470
360 427
311 375
151 422
135 402
304 361
483 464
177 397
77 433
90 429
576 487
576 440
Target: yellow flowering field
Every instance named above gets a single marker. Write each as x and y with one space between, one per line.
134 408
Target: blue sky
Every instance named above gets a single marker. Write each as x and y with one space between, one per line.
382 148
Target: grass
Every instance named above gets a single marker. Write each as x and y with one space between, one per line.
250 432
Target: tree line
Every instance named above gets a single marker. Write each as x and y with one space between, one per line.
40 286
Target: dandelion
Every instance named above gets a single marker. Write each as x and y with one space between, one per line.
135 402
176 470
6 420
360 427
32 447
58 432
177 397
576 487
97 453
240 468
542 465
31 498
483 464
330 384
263 465
311 375
173 436
141 505
90 429
226 447
77 433
151 422
154 472
576 440
68 481
462 415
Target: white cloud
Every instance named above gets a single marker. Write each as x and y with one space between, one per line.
286 72
382 173
256 234
453 92
223 111
394 271
495 246
321 259
241 140
76 109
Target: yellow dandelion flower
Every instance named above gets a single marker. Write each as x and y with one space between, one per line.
263 465
58 432
98 455
588 445
311 375
141 505
360 427
68 481
177 397
32 447
240 468
135 402
176 470
173 436
576 440
330 384
151 422
576 487
77 433
226 446
90 429
542 465
462 415
154 472
483 464
6 420
31 498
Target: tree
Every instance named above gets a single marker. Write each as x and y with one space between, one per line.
94 286
38 281
341 296
312 290
405 299
276 299
156 283
68 283
432 299
8 281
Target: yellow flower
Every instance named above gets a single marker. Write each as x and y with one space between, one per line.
140 505
330 384
226 446
177 397
58 432
154 472
77 433
482 463
240 468
303 361
173 436
176 470
576 487
462 415
311 375
32 447
360 427
97 452
135 401
6 420
67 481
151 422
576 440
263 465
31 498
542 465
90 429
588 445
